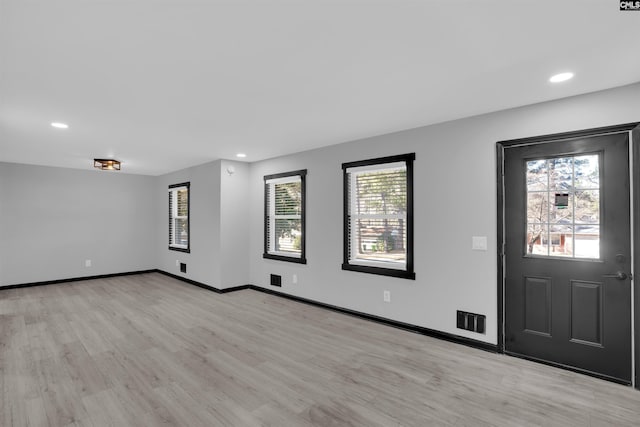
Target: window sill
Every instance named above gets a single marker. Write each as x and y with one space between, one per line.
391 272
285 258
385 265
175 248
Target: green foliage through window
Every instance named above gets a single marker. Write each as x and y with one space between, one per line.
378 201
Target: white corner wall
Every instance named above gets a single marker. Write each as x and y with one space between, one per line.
455 199
54 219
234 217
218 218
203 262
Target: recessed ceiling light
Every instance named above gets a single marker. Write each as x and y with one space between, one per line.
241 155
59 125
562 77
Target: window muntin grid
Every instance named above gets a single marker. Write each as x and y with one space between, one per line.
563 207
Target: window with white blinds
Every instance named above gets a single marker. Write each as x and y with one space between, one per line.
284 217
378 216
179 217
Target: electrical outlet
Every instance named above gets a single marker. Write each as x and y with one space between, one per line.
87 263
294 280
386 295
479 243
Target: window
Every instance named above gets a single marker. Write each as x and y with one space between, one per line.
284 217
378 216
179 217
563 207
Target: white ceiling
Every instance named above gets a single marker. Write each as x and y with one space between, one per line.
167 84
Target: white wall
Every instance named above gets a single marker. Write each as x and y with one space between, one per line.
455 199
203 262
234 217
53 219
219 236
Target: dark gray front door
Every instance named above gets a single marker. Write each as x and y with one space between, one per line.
568 253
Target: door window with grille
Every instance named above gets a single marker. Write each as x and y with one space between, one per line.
563 207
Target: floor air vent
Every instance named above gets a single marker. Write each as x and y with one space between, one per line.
276 280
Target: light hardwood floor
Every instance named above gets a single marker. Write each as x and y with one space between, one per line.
148 350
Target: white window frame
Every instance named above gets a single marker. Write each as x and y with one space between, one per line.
173 215
353 173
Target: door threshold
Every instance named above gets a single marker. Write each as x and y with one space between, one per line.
570 368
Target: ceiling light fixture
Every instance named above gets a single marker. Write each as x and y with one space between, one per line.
59 125
562 77
241 155
106 164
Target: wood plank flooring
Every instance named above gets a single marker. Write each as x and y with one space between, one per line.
149 350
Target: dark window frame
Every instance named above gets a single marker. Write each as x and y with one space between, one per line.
188 248
408 272
302 173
